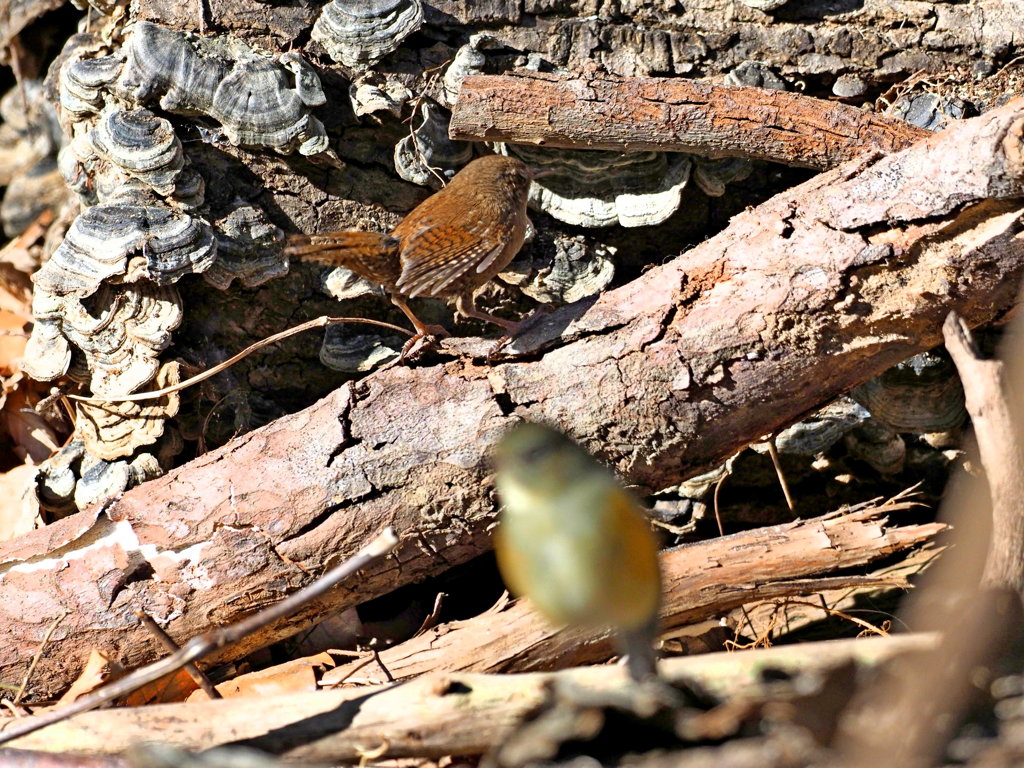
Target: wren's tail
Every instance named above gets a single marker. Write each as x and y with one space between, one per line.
370 254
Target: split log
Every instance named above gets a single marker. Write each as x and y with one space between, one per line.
594 111
797 301
430 717
702 580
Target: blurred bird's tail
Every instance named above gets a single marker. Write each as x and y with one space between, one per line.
365 253
637 645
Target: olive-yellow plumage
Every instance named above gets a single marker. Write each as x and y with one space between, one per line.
575 542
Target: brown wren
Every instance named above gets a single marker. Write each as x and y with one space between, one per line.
448 246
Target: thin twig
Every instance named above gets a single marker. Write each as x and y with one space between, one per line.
211 641
318 322
197 675
774 453
431 620
39 655
718 517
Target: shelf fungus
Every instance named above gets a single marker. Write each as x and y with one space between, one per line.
114 430
119 333
569 270
375 92
596 188
347 352
83 83
141 144
129 242
249 249
359 33
258 102
470 59
921 395
427 156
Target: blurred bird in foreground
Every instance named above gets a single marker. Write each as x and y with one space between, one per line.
576 543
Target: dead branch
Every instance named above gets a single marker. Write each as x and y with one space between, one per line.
206 644
645 113
908 717
798 300
998 429
703 580
432 716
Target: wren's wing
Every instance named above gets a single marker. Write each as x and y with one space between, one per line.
435 257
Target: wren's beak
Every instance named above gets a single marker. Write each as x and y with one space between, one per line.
540 173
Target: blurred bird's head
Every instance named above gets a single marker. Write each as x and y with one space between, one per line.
538 460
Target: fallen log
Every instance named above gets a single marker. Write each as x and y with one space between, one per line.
798 300
430 717
632 114
702 580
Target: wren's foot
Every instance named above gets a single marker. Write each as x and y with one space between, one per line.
426 337
514 329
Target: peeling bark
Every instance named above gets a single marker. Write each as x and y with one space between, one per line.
434 716
798 300
634 114
702 580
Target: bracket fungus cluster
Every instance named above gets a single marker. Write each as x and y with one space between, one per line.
106 303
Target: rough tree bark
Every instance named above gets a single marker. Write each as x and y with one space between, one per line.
433 716
799 299
595 111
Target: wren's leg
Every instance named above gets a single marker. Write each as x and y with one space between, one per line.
422 329
466 306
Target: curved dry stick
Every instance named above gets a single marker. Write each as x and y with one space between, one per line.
319 322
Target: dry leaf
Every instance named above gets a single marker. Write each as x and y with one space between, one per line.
13 339
98 669
33 437
19 509
290 677
173 687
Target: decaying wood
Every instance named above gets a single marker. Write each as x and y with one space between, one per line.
594 111
973 599
798 300
205 644
998 429
432 716
702 580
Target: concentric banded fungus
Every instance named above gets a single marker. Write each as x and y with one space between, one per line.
344 284
248 250
576 270
878 445
359 33
428 152
47 353
102 480
162 245
82 82
593 188
121 331
919 395
247 92
114 430
823 429
346 352
142 144
469 60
